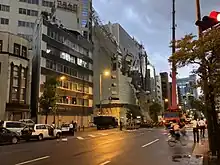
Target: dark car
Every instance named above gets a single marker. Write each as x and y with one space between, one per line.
7 136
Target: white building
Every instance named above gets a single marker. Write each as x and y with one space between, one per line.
159 98
19 16
15 77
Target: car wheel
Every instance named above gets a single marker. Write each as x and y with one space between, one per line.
40 137
14 140
58 135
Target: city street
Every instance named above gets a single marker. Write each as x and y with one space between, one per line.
143 146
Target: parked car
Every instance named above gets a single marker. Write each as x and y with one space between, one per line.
40 132
27 122
65 128
7 136
14 126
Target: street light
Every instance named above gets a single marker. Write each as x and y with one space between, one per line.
166 100
105 73
62 78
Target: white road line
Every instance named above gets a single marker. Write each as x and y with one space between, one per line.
150 143
33 160
80 138
103 134
92 136
106 162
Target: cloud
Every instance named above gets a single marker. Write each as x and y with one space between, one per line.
150 22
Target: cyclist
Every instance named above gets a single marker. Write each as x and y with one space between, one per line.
175 130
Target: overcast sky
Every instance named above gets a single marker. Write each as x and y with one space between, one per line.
149 21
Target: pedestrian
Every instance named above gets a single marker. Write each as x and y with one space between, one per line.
195 130
202 126
72 128
120 126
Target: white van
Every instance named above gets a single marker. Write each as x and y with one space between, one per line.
14 126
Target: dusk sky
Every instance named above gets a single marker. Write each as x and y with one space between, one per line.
149 21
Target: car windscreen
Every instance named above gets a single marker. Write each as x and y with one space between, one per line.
14 125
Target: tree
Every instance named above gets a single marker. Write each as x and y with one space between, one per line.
205 53
48 98
155 109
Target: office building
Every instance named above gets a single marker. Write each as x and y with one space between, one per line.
63 54
165 89
159 98
19 16
187 89
15 77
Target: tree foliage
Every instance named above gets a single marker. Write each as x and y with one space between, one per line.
155 109
204 52
48 99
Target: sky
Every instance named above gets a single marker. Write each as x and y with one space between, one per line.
149 21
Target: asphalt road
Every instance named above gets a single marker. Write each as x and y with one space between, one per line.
112 147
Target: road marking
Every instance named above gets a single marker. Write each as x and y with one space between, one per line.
106 162
80 138
150 143
92 136
103 134
33 160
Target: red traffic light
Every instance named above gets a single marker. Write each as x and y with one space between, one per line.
215 15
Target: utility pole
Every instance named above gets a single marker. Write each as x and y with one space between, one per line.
174 100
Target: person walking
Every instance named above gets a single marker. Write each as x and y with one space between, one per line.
202 126
72 131
195 130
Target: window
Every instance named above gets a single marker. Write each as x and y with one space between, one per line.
4 8
14 125
17 49
47 3
86 102
22 95
84 23
74 87
24 51
59 68
80 87
1 45
15 76
66 70
65 99
73 72
80 102
85 13
4 21
25 24
66 84
23 77
30 1
73 101
14 93
86 89
28 12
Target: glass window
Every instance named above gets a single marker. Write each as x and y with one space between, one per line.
86 102
73 72
80 102
80 87
86 89
84 23
24 51
23 78
4 8
66 84
73 101
74 87
1 45
17 48
4 21
14 93
65 99
66 70
59 68
22 95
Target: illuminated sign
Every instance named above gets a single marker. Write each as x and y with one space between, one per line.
67 6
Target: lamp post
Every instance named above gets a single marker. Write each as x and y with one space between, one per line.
106 73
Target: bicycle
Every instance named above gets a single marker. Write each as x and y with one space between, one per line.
172 141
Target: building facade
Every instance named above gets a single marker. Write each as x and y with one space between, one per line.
67 56
165 89
15 77
159 98
187 90
19 16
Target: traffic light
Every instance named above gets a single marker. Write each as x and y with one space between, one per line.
209 21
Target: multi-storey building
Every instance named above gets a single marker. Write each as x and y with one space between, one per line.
19 16
187 89
159 98
165 89
67 56
15 76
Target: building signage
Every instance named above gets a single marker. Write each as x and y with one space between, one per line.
67 6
